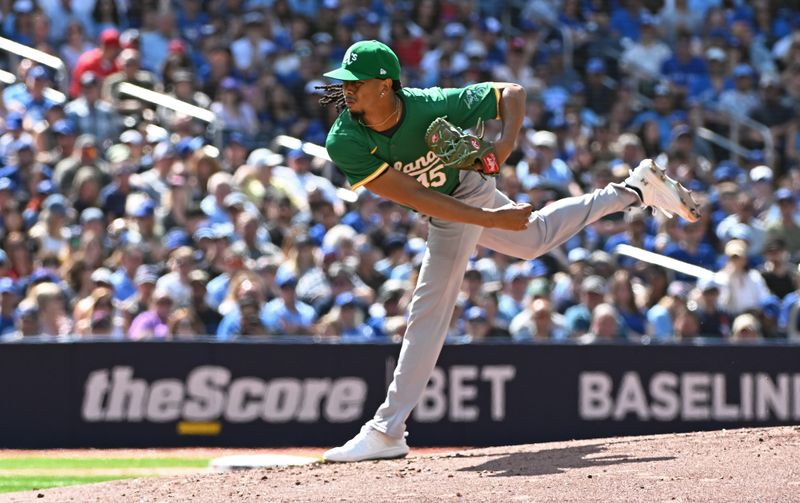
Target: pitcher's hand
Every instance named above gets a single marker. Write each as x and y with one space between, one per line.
512 216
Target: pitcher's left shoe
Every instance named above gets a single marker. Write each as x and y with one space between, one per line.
662 192
368 444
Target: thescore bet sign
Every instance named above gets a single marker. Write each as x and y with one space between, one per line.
211 393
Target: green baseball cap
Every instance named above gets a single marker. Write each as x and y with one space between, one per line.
368 59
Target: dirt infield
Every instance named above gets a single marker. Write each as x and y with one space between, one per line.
735 465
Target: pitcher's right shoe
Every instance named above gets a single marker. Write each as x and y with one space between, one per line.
662 192
368 444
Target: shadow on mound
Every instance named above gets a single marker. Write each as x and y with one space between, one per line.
553 461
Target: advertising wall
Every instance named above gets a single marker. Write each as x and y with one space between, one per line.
265 394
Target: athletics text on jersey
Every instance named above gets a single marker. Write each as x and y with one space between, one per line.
363 154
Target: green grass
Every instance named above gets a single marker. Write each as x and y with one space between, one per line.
25 482
90 463
12 483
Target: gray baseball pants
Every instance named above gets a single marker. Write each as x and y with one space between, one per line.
450 245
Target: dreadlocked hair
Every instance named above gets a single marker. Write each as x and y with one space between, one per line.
334 94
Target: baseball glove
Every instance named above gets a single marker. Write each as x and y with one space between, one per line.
459 150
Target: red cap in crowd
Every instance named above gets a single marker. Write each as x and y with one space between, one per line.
177 46
109 36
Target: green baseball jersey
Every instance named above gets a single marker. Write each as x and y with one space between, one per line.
363 154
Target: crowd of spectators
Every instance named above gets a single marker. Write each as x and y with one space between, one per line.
124 220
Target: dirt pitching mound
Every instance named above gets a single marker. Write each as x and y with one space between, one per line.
760 464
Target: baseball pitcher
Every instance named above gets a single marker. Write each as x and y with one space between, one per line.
408 145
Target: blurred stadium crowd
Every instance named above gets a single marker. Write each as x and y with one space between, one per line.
125 220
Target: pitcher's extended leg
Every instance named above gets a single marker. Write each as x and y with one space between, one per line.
557 222
449 248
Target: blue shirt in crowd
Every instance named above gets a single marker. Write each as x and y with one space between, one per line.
124 287
557 174
359 333
692 74
276 314
216 290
